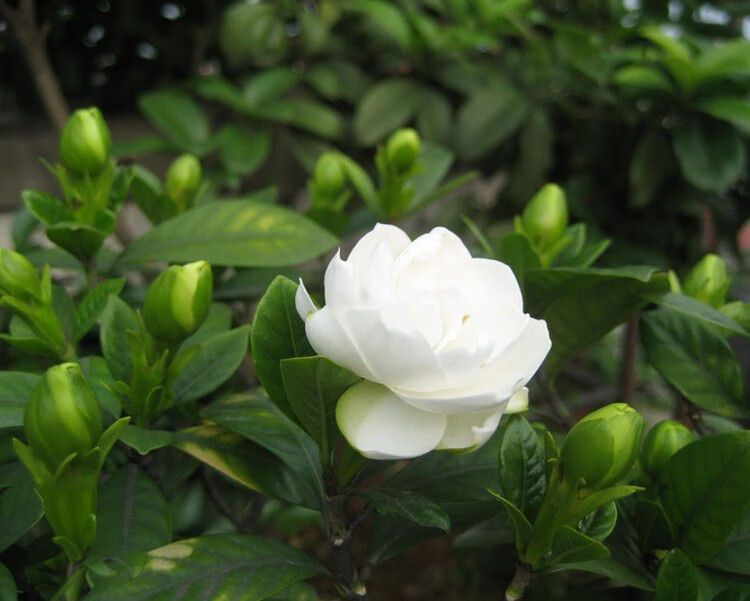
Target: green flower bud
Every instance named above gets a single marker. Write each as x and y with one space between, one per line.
708 281
663 441
601 448
183 178
62 416
329 176
85 142
546 216
402 150
18 277
177 302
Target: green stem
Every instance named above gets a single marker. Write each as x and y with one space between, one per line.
517 587
71 590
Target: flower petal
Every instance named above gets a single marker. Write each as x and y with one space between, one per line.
340 285
330 340
381 426
302 301
469 431
519 402
387 237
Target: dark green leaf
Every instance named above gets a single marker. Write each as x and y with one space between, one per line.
15 390
8 589
649 167
317 118
313 386
216 361
242 151
523 478
117 319
219 320
434 164
96 371
487 119
226 566
734 556
46 208
698 310
705 492
388 18
495 531
409 505
677 579
711 153
434 117
654 531
144 440
278 333
268 85
521 526
260 421
570 546
599 524
241 233
696 359
178 116
20 508
92 305
133 516
386 106
79 239
517 253
733 109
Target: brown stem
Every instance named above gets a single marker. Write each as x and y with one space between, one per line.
627 375
517 588
31 39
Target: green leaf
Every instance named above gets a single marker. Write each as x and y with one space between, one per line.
79 239
581 305
260 421
216 361
133 516
241 233
225 566
705 492
523 478
732 109
724 60
219 320
434 118
711 153
388 18
8 589
141 145
643 77
15 390
243 152
734 556
317 118
117 319
20 508
268 85
96 371
144 440
386 106
695 358
600 523
434 164
677 579
412 506
654 531
490 533
178 116
648 167
571 546
693 308
521 526
46 208
362 183
313 386
488 118
516 251
245 462
278 333
93 304
220 90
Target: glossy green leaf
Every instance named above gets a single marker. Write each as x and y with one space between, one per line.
219 320
413 507
516 251
278 333
216 361
488 118
79 239
92 305
97 372
133 516
600 523
117 319
677 579
8 589
317 118
434 163
243 152
698 310
732 109
245 462
654 531
734 556
388 18
489 533
178 116
570 546
705 492
711 153
313 386
268 85
581 305
20 508
15 390
521 526
388 105
241 233
144 440
523 478
46 208
695 358
225 566
643 77
261 422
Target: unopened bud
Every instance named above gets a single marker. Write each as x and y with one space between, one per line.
183 179
329 175
62 416
708 281
85 142
546 216
178 301
601 448
402 150
663 441
18 277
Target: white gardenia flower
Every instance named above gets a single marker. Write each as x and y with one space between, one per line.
440 338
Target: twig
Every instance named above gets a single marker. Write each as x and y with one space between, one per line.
627 375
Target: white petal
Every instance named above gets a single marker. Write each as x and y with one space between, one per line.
389 237
330 340
395 356
339 284
430 259
381 426
302 301
494 279
469 431
519 402
454 401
